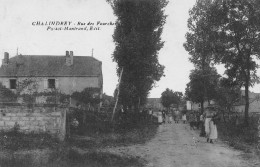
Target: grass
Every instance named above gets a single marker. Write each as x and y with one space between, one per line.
240 137
72 158
95 159
120 138
27 150
14 140
131 128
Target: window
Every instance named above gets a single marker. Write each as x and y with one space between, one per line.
51 83
12 83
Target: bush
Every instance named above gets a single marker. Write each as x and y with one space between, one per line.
6 95
15 140
239 135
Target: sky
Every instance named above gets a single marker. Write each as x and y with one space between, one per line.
19 34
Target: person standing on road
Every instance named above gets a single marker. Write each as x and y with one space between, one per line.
159 116
170 116
184 119
164 116
213 133
202 130
150 112
208 114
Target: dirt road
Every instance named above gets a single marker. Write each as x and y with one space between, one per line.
175 145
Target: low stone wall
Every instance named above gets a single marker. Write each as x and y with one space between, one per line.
36 119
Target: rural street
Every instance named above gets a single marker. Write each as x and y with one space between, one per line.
175 145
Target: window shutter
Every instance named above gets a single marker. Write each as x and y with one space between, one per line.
7 84
56 83
45 83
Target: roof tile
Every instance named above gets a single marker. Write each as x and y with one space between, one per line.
39 65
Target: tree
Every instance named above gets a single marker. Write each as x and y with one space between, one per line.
170 97
228 93
202 86
6 95
198 37
167 98
89 96
178 96
137 38
236 28
198 45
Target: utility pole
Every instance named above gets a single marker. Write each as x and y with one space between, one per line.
117 96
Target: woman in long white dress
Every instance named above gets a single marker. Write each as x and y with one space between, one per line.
213 132
160 119
184 119
208 114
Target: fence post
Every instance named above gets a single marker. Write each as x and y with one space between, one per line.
63 129
258 132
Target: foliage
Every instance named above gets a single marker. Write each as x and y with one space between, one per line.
28 85
137 38
198 38
169 97
88 96
198 43
237 134
51 97
6 95
15 140
235 27
107 100
228 93
202 87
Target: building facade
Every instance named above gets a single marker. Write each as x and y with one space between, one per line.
67 73
254 103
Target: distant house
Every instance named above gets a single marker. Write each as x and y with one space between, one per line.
154 103
254 103
197 106
67 73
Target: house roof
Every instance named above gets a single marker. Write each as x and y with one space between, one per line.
43 65
252 98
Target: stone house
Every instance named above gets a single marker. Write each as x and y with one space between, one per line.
67 73
197 106
254 103
154 103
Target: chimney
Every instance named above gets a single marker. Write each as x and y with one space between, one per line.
67 53
5 61
69 58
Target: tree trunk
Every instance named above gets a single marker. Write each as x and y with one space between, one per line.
117 97
139 102
202 130
247 102
223 113
247 89
202 107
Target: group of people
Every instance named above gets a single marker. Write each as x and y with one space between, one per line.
179 116
207 122
211 118
165 116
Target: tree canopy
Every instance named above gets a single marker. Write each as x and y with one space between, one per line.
137 37
227 32
6 95
228 93
170 97
236 41
202 86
